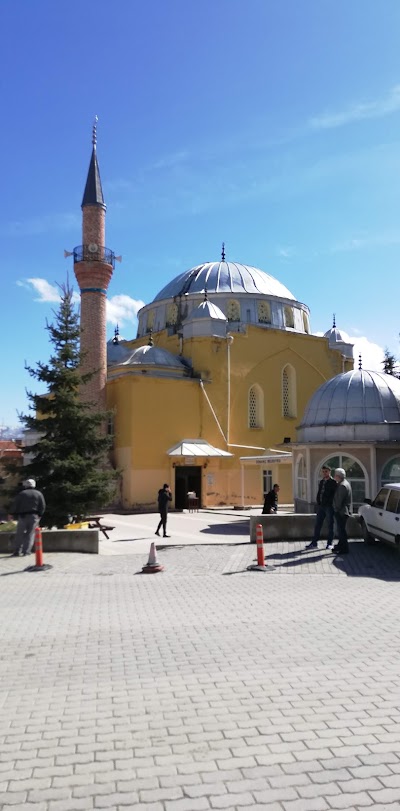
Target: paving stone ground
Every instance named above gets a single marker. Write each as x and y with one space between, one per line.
204 687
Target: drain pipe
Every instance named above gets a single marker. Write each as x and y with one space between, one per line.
212 410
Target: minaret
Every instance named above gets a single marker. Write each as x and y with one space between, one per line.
93 268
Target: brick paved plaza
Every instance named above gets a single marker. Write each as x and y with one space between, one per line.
206 686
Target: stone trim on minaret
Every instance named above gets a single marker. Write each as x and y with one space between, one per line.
93 268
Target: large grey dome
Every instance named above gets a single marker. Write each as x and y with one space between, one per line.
348 405
224 277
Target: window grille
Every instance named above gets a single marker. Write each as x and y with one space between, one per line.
253 408
285 394
233 311
172 315
264 312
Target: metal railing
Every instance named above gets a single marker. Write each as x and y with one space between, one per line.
94 253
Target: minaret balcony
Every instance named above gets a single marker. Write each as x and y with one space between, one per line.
94 253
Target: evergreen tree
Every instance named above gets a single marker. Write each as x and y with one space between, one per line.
69 458
390 365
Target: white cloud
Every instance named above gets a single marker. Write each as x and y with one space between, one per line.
371 354
285 252
378 108
122 309
47 292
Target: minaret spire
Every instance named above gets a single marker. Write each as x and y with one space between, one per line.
93 194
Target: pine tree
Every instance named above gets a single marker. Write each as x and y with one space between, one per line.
69 458
390 365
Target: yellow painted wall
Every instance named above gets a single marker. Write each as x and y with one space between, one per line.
153 413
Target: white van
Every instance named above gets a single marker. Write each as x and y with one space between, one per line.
380 518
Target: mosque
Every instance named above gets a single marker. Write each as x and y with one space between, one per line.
209 393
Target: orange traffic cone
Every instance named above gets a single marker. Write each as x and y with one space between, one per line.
260 566
153 565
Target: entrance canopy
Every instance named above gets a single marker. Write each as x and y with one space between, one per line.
196 447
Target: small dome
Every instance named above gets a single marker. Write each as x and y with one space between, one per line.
224 277
206 309
336 336
154 356
117 352
356 397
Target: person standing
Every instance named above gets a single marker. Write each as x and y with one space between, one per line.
164 497
271 501
326 491
341 507
28 507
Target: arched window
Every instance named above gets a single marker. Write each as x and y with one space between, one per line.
150 320
301 478
289 397
355 474
289 316
264 312
391 471
172 315
306 323
256 407
233 310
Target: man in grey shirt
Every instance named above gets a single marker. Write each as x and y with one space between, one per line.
341 509
28 506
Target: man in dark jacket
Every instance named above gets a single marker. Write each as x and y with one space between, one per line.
164 497
326 492
28 506
271 501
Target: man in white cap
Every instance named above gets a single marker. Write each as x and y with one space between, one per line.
28 506
341 508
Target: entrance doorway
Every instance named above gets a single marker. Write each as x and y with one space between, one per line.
187 479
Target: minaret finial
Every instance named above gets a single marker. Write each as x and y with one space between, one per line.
94 130
151 342
360 362
334 321
223 252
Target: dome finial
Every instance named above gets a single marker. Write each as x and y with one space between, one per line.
223 252
115 340
205 294
151 342
334 321
94 130
360 362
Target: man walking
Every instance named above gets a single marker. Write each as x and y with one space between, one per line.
164 497
271 501
28 506
341 507
326 491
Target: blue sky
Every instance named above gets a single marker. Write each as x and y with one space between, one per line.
271 126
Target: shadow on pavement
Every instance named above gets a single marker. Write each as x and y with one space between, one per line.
234 528
376 560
